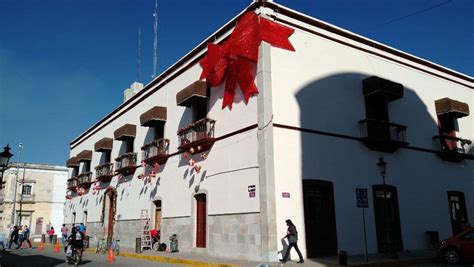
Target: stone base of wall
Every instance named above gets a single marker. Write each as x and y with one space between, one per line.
182 228
234 236
125 231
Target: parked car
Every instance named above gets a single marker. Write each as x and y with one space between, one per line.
457 248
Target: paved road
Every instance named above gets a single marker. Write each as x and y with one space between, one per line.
36 258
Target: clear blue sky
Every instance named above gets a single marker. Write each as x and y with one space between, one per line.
64 64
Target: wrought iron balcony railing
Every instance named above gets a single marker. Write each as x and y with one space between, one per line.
155 148
84 178
72 183
126 162
196 132
453 148
382 135
104 170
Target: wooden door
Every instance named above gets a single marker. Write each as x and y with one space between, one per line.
320 218
111 214
201 221
158 215
382 209
457 211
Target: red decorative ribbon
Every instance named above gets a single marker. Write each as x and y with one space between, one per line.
235 57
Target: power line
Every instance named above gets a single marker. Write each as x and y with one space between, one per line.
411 14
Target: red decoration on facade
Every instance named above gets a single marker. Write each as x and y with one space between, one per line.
233 60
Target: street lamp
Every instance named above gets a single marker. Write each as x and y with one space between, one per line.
4 159
387 244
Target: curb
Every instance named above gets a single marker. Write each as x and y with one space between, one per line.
175 260
162 259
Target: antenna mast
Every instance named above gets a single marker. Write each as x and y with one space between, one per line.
155 39
139 53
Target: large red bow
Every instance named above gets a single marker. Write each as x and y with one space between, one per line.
235 57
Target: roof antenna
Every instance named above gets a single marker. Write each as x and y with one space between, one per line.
139 53
155 39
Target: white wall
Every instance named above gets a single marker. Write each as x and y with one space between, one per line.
320 87
230 167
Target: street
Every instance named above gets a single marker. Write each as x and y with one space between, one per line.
36 258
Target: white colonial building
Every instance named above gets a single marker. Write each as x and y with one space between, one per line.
38 199
225 180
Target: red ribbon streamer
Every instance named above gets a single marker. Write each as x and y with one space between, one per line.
235 57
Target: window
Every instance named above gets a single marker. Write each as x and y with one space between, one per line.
87 166
199 109
159 131
129 145
26 190
107 156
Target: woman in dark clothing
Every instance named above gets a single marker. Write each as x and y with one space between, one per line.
292 236
13 237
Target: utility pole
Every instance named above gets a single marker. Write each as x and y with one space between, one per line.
20 147
155 40
21 194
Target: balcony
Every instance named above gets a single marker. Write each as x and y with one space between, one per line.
452 149
26 198
156 151
382 136
126 163
104 172
197 137
72 184
84 179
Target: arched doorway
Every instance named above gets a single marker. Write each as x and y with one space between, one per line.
157 215
201 220
108 212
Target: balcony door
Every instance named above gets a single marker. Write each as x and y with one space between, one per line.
320 218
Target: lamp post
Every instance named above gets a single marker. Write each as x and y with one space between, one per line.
4 159
20 147
387 243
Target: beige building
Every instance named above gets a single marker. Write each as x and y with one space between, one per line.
40 196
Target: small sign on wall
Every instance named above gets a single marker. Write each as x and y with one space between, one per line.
251 189
362 198
285 194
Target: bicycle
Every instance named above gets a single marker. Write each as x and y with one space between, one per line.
102 246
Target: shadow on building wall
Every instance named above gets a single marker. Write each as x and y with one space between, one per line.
335 162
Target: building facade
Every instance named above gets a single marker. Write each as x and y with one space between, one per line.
39 200
226 179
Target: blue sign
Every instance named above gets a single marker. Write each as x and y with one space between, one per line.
362 198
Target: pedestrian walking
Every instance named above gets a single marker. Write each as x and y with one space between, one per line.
51 234
25 237
13 237
82 228
64 232
292 236
2 241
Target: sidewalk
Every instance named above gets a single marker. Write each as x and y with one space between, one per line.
193 259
